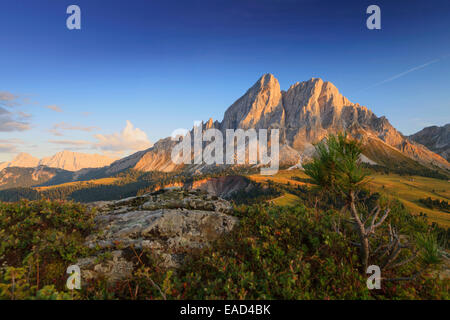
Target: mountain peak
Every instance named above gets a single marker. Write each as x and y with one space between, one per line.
21 160
267 79
23 156
74 161
258 107
67 160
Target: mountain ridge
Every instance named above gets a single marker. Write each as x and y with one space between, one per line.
435 138
66 160
305 114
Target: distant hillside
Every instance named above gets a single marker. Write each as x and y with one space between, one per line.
14 177
435 138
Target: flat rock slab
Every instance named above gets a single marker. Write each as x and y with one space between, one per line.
170 222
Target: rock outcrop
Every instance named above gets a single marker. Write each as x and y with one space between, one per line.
170 222
223 187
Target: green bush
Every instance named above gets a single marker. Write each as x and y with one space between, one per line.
274 253
38 241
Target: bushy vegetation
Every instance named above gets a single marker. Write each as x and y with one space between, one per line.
403 169
336 169
257 194
38 241
435 203
274 253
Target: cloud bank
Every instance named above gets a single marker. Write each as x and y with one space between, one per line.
129 139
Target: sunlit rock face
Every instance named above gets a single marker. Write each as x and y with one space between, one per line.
310 110
304 114
22 160
74 161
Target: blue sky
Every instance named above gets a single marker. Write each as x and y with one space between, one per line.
163 64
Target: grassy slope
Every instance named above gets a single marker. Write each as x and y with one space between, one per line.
286 200
283 176
409 189
102 181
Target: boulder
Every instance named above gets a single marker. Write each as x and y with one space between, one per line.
170 222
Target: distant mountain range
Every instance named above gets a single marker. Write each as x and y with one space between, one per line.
305 114
435 138
12 177
66 160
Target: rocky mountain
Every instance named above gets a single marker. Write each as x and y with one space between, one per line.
306 113
14 177
74 161
66 160
435 138
23 160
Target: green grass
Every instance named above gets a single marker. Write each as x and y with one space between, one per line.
408 189
286 200
102 181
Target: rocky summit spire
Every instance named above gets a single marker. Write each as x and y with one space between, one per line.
259 107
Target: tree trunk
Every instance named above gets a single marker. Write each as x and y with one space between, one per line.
364 254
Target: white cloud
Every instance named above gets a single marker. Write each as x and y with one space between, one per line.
70 142
8 99
8 124
9 145
129 139
4 111
24 115
56 129
7 148
54 108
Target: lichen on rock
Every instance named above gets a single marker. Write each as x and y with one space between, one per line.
170 222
